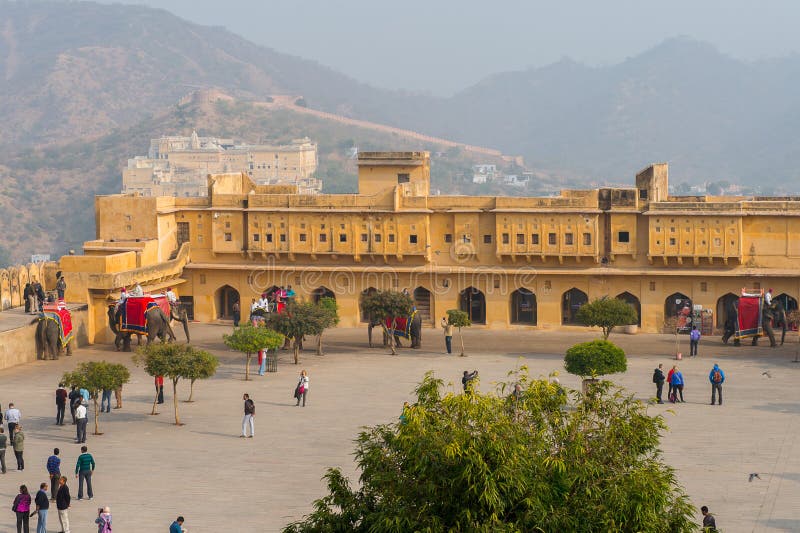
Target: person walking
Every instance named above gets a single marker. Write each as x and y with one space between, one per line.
677 383
74 401
3 445
159 382
694 340
717 378
103 520
42 506
709 522
301 391
62 504
81 416
19 447
177 525
262 362
105 402
22 508
13 416
54 470
118 397
85 395
84 468
237 313
448 334
658 379
249 416
61 404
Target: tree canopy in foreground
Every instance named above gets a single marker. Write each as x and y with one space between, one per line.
543 459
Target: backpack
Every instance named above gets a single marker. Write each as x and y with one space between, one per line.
655 376
716 377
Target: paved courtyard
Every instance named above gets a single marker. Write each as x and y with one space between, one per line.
149 471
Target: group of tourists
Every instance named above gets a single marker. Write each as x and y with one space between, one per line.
34 297
675 380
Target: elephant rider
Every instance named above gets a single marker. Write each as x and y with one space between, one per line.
171 297
137 290
123 295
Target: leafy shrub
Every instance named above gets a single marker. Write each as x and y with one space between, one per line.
595 358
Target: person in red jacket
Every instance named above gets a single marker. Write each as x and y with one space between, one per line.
669 382
160 388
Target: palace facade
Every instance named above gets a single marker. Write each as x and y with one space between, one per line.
507 261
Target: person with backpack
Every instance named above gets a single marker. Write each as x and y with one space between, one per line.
658 379
717 378
694 340
677 385
103 520
670 389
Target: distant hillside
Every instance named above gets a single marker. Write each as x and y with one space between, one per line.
47 193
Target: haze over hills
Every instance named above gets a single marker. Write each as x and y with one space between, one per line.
84 85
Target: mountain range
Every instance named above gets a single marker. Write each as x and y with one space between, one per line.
84 85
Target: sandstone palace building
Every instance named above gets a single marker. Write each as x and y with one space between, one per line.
178 166
509 262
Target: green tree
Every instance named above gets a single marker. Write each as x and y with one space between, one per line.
607 313
249 339
166 360
200 365
298 320
534 460
459 319
95 376
329 318
387 305
595 358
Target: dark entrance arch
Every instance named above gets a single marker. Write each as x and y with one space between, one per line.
422 300
633 301
724 303
523 307
322 292
679 305
473 302
366 292
572 300
225 297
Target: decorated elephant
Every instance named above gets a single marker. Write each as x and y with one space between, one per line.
405 327
157 326
772 316
50 337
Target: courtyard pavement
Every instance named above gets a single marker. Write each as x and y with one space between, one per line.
149 471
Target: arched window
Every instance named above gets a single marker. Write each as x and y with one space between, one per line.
523 307
224 298
422 300
571 301
679 305
322 292
724 304
473 302
633 301
366 292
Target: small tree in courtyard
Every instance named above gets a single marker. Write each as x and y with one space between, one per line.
95 376
459 319
595 358
387 306
200 365
298 320
607 313
249 339
329 318
537 460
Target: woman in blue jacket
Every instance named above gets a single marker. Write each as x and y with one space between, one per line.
677 383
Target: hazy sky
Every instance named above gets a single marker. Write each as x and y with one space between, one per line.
445 45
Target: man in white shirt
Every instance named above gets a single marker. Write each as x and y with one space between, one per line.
171 298
80 414
13 417
136 290
768 297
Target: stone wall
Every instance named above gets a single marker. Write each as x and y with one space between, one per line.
14 278
18 345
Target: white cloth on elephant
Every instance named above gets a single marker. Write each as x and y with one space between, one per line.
171 298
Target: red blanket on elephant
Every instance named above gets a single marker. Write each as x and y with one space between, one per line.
63 318
133 319
750 324
402 326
